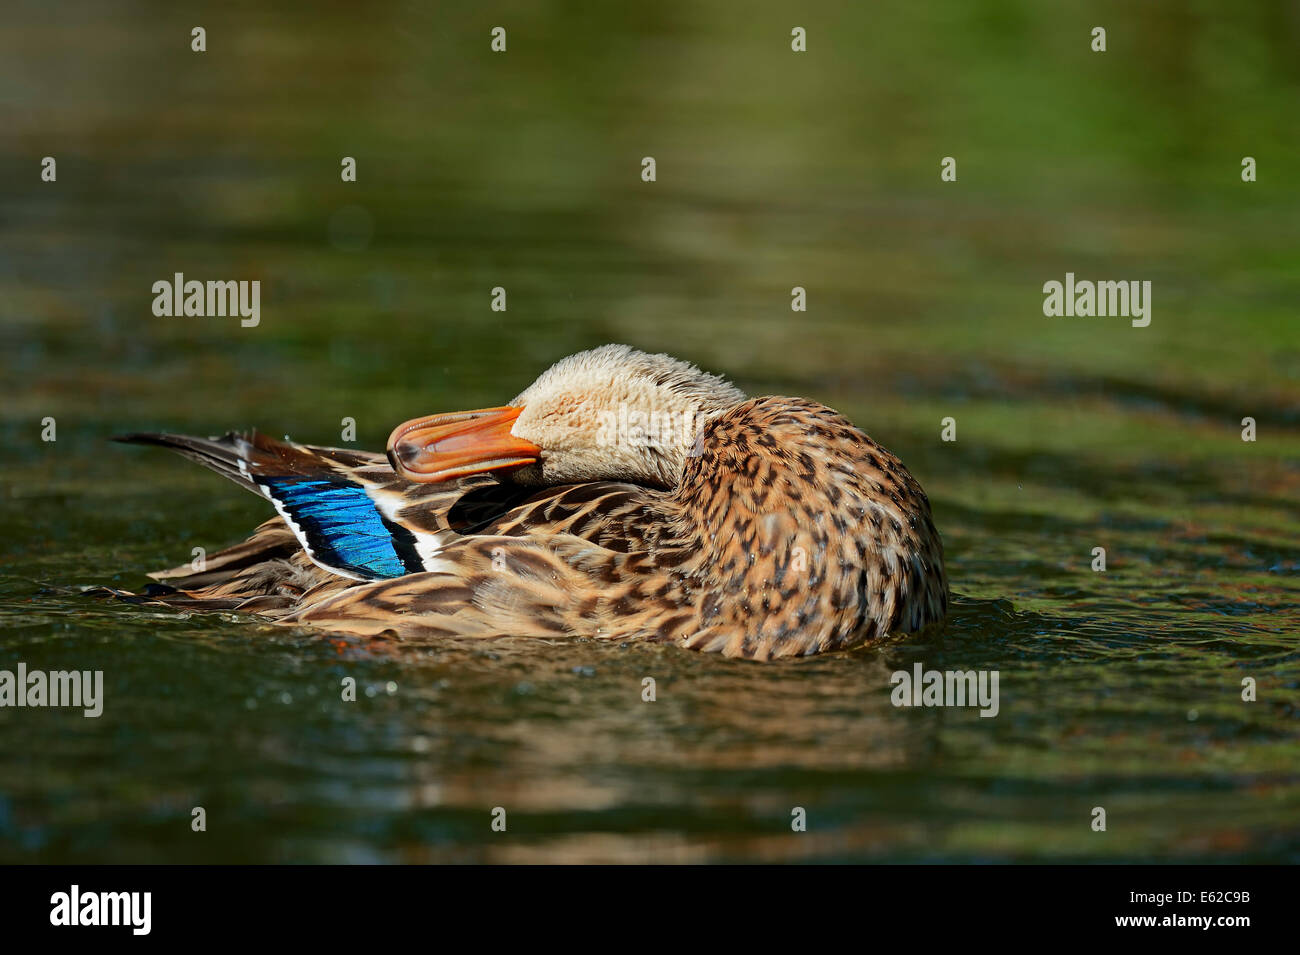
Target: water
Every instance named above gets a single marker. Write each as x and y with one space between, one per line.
1119 689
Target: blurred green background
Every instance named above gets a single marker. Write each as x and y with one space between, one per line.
775 169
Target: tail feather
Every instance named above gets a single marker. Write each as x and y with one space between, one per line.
228 455
243 457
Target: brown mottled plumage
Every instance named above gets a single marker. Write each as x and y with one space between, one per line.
781 530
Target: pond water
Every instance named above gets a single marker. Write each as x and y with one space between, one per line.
1119 689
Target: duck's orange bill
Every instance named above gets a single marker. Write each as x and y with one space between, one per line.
447 446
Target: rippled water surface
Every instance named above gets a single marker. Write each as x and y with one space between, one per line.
1120 689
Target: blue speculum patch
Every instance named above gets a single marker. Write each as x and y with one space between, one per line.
343 527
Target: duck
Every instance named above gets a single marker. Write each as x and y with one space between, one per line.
622 496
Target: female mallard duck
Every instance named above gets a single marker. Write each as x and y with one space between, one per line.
622 496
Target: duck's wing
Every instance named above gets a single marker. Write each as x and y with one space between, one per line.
267 573
578 560
480 586
612 514
272 540
346 518
340 506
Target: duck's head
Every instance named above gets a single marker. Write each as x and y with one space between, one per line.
609 414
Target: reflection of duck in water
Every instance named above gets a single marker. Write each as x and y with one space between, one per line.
630 496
